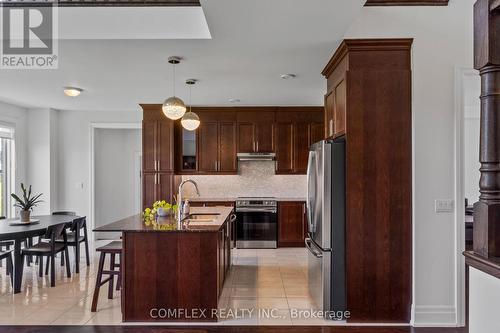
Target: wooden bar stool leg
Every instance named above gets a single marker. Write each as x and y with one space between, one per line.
111 277
98 282
119 279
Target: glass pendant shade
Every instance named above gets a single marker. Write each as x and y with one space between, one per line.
174 108
190 121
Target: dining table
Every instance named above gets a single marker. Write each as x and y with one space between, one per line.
19 233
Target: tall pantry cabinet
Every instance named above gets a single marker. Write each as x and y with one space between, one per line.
368 100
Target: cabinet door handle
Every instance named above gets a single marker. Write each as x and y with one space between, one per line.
253 146
158 165
159 180
215 165
257 145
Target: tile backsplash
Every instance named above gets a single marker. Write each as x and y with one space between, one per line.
255 178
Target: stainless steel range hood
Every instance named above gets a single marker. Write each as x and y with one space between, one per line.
256 156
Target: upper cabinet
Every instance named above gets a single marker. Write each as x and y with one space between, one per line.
157 138
255 130
217 141
225 131
158 179
296 129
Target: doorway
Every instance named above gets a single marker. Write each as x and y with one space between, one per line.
116 176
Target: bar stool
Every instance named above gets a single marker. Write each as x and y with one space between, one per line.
114 248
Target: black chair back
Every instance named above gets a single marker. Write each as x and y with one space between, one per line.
64 213
56 231
79 223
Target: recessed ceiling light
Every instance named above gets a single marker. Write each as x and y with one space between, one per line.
72 91
234 100
288 76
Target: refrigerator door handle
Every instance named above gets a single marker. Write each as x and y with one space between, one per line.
310 248
310 192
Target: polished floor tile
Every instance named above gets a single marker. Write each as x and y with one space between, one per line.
264 287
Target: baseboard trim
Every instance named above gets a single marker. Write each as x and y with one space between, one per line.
435 316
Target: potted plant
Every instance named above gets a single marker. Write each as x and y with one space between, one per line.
27 203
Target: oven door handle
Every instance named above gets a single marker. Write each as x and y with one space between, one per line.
255 210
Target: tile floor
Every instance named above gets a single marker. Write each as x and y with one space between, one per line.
260 280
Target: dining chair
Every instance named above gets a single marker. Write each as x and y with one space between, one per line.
5 244
67 212
10 268
63 212
76 236
48 247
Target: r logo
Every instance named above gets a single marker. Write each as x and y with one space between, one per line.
27 30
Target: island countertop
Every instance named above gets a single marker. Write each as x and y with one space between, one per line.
169 224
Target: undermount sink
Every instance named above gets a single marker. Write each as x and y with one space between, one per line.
201 218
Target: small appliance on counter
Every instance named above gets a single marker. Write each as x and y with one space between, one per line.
256 223
326 225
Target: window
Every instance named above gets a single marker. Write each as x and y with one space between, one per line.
7 170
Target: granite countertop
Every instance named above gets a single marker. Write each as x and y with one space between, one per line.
229 199
136 223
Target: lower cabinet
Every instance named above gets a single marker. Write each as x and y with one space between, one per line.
157 186
224 255
292 223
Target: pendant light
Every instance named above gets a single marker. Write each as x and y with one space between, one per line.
190 121
173 107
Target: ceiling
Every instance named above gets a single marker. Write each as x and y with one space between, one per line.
252 43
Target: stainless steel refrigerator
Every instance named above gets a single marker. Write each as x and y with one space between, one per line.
326 225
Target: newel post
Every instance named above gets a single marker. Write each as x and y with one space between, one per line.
487 61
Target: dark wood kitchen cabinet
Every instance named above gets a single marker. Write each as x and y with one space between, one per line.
256 130
208 147
369 99
296 130
217 142
292 223
158 179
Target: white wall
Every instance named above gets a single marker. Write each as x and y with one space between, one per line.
484 302
115 177
74 154
17 116
442 42
41 163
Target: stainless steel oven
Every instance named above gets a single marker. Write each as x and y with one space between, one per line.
256 223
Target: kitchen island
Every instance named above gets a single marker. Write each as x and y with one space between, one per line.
171 273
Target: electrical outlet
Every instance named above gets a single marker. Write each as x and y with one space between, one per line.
444 206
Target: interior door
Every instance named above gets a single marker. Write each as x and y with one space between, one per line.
227 147
264 137
208 146
149 144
